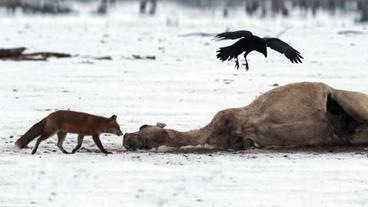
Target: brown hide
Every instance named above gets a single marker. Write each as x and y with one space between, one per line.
298 114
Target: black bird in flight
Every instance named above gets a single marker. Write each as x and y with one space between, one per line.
249 42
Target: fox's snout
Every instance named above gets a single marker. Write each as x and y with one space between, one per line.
117 132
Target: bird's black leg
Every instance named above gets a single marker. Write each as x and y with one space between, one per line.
246 62
237 63
246 65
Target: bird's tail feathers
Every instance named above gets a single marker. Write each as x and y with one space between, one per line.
226 53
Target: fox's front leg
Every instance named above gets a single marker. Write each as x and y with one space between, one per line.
97 141
79 144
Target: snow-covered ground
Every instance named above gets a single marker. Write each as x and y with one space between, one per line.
184 87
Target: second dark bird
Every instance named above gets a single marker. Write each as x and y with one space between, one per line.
249 42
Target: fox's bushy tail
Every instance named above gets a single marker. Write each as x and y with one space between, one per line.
227 53
35 131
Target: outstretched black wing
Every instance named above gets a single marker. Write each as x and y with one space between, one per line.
233 35
280 46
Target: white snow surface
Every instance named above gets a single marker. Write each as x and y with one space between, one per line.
184 87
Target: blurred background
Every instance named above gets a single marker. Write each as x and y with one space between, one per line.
356 9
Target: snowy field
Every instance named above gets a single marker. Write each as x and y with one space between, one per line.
183 87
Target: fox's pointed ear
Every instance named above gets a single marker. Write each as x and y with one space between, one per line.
113 117
159 124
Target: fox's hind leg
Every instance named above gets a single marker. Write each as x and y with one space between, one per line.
61 138
79 144
39 140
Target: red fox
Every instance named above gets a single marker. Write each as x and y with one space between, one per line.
63 122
